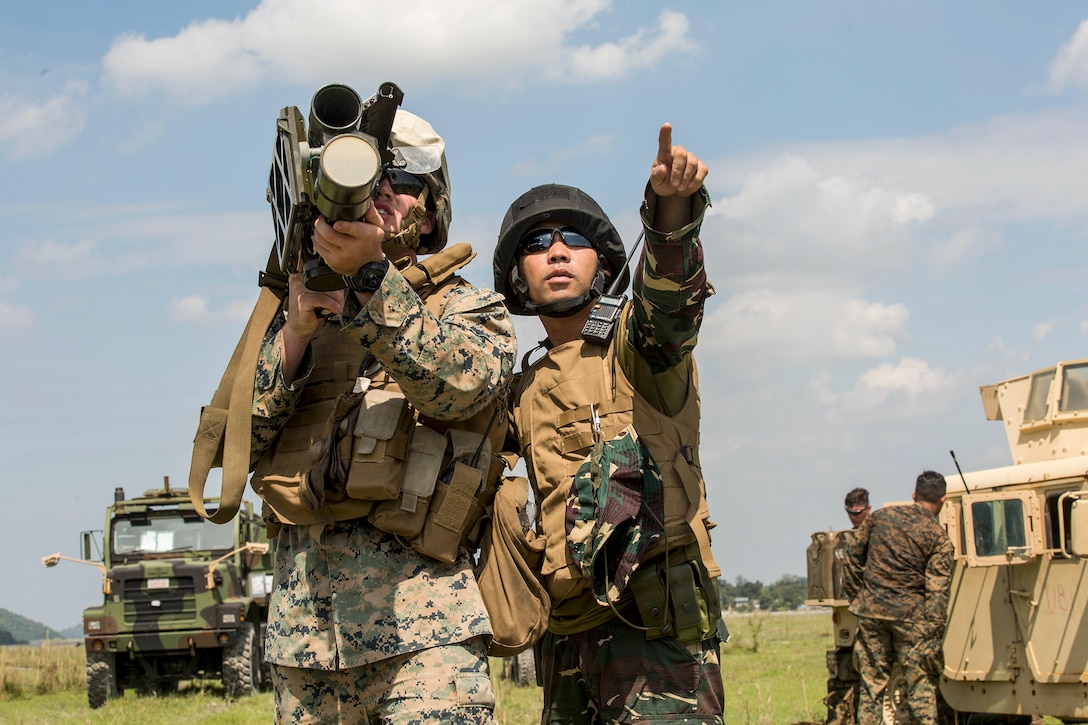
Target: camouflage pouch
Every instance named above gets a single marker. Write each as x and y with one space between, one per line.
614 513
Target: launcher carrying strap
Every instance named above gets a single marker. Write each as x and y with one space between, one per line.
224 432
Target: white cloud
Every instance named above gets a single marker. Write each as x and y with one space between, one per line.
791 217
15 317
641 50
309 41
595 146
1041 330
119 240
947 254
1070 67
189 309
889 392
22 120
1016 167
198 309
800 326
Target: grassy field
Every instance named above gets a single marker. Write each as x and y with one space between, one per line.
773 669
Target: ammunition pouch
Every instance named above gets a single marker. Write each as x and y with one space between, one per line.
679 599
439 512
382 438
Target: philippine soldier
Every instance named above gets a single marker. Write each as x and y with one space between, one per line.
363 421
609 427
898 571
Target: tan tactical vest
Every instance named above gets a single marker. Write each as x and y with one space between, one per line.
555 424
356 447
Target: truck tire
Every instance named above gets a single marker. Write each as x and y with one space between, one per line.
241 663
523 670
101 679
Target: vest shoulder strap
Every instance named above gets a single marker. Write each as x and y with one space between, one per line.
224 432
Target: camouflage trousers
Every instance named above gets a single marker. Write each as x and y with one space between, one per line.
446 684
880 644
613 674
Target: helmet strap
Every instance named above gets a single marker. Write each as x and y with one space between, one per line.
410 227
564 308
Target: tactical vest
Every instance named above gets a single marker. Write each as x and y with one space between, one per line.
556 427
356 447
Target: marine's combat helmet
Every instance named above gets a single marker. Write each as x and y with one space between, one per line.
420 151
570 206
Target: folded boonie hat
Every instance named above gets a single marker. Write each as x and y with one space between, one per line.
615 511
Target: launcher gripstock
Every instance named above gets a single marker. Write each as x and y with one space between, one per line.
332 170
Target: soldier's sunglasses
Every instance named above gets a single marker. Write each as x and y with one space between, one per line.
404 183
858 512
541 240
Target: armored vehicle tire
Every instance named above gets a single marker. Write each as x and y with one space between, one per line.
101 679
521 668
242 663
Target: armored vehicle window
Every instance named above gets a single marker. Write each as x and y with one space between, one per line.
157 535
999 526
1074 388
1037 399
1057 509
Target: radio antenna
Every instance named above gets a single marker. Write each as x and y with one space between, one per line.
953 454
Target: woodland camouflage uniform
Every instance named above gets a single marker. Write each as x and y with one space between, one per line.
590 651
897 577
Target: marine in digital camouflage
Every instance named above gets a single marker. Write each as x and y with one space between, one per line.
450 367
897 576
349 601
899 566
436 685
347 595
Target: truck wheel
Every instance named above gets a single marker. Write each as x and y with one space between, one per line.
101 679
523 668
241 663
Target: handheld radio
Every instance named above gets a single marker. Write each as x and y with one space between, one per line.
606 311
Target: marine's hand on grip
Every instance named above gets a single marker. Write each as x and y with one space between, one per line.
305 308
348 245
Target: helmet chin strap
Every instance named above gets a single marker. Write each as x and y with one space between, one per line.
564 308
410 227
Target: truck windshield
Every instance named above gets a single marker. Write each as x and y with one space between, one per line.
164 534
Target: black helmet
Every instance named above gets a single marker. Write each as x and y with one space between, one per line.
575 208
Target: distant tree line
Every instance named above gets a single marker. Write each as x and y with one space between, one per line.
786 594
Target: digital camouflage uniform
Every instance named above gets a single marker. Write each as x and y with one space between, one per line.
897 576
595 666
360 625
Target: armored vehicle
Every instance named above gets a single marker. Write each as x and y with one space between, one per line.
183 598
1016 647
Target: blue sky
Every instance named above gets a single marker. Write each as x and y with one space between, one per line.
900 216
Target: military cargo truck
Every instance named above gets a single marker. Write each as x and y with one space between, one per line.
183 598
1016 648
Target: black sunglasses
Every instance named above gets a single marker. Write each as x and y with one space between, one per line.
404 183
858 512
541 240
